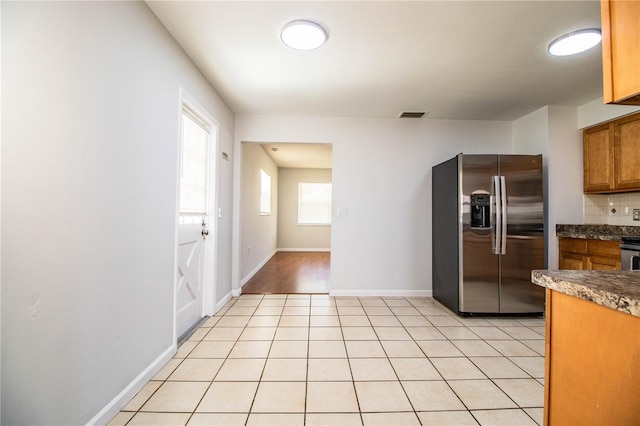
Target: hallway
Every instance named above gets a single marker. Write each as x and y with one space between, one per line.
321 360
291 273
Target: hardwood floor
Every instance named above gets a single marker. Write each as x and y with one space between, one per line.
292 272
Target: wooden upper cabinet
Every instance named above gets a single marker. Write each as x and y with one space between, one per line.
611 155
621 51
627 151
598 158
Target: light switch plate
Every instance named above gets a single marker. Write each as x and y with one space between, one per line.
636 214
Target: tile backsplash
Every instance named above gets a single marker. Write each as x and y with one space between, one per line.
611 209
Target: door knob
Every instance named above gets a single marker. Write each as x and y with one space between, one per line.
205 231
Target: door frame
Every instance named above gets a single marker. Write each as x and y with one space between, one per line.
210 246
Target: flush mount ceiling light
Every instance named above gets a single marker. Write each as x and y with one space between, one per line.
575 42
303 35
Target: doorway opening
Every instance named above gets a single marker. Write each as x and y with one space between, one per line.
287 250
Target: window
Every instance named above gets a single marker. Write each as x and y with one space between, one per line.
265 193
193 171
314 204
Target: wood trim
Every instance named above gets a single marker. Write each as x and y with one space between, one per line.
607 77
547 357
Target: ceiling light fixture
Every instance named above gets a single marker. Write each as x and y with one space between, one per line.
575 42
303 35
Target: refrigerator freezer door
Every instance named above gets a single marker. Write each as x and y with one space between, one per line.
524 248
479 288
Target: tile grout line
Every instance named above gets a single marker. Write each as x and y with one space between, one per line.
502 354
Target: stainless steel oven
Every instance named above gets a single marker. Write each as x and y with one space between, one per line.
630 250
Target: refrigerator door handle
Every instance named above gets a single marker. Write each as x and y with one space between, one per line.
503 207
497 226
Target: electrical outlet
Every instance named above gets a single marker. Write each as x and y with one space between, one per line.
636 214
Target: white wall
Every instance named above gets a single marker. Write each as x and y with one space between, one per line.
259 233
290 234
596 112
90 106
531 133
565 173
382 174
552 131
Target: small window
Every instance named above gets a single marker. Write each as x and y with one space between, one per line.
193 171
314 204
265 193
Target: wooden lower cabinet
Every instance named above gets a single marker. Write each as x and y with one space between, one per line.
603 264
573 261
592 363
582 254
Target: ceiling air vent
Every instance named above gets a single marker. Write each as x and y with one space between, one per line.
411 114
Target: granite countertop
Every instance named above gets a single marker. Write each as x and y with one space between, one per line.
597 232
619 290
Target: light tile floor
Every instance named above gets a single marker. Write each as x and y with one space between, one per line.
320 360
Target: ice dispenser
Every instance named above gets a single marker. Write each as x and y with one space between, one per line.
480 211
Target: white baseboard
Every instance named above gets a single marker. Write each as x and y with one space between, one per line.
305 249
222 302
256 269
236 292
115 405
383 293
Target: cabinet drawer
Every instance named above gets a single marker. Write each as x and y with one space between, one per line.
573 245
578 253
604 249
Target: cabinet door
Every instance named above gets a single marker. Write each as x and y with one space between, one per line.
598 158
621 51
573 261
627 152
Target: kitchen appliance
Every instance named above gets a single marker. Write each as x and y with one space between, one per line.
488 234
630 253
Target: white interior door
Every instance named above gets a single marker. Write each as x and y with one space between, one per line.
190 286
193 249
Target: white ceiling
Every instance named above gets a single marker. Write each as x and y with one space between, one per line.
294 155
475 60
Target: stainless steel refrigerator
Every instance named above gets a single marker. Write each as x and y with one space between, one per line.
488 233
